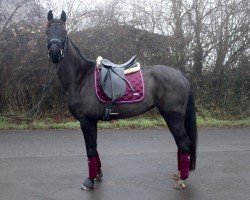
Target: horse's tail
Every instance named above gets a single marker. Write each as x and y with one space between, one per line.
191 129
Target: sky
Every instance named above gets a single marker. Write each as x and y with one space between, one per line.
59 5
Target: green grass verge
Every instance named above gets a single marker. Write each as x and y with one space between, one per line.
138 122
212 122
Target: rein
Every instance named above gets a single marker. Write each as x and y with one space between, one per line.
33 111
46 87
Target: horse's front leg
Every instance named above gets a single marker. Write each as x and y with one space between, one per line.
89 129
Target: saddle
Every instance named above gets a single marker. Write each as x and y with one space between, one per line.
112 76
112 79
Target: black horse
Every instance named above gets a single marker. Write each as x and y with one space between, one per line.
165 88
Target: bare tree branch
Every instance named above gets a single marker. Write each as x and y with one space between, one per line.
18 6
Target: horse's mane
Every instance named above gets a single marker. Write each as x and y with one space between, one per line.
79 52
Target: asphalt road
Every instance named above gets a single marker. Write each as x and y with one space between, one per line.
137 164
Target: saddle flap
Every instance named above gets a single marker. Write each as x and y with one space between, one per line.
130 96
112 83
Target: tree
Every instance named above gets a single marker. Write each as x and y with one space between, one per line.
208 40
230 34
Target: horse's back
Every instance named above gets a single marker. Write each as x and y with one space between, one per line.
168 85
166 77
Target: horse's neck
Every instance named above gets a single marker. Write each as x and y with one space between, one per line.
74 68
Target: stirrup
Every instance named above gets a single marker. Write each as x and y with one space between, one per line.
108 113
180 185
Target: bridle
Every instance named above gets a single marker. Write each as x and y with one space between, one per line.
62 45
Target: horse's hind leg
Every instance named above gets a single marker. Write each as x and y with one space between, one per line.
89 129
176 124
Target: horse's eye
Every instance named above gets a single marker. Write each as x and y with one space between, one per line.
47 31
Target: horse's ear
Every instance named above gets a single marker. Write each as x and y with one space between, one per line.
50 15
63 16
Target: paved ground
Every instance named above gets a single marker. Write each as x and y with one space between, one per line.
51 165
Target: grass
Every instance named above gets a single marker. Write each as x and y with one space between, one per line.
140 122
212 122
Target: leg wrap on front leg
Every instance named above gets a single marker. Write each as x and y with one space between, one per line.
99 170
184 165
92 168
88 184
98 162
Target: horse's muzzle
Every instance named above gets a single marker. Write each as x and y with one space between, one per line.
55 53
55 50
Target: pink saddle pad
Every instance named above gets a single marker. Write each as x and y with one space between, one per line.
135 79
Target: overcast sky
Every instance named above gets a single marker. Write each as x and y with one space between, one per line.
59 5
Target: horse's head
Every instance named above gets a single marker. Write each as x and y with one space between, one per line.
56 37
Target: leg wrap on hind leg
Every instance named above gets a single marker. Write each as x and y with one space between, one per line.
178 160
183 165
92 168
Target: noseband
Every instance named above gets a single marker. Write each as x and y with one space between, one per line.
62 46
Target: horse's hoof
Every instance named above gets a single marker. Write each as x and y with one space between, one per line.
180 185
99 176
88 184
176 176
